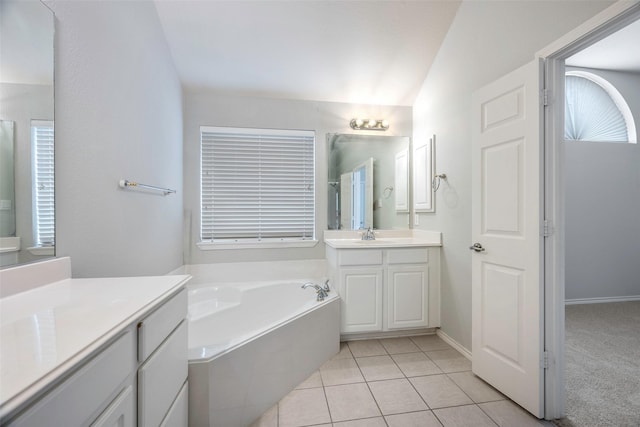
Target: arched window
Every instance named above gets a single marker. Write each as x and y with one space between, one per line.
595 110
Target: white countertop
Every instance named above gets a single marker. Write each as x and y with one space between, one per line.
45 331
352 239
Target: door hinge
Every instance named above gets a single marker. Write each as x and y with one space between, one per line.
544 363
547 228
545 97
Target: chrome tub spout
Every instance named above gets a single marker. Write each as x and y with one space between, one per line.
322 293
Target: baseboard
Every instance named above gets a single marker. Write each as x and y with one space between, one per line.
387 334
453 343
601 300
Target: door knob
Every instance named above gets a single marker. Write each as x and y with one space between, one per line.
477 247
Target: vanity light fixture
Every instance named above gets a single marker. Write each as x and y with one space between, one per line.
369 124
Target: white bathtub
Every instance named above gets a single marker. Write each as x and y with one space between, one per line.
252 343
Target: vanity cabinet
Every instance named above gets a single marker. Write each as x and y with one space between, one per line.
93 388
386 289
139 377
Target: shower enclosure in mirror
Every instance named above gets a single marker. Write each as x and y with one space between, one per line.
27 211
368 181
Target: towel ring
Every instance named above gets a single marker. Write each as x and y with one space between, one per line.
435 183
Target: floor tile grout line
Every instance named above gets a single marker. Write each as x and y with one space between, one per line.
326 401
468 395
419 394
370 392
486 413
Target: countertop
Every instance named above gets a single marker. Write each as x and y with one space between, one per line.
46 331
384 239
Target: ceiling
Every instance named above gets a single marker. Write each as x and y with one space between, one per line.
363 52
619 52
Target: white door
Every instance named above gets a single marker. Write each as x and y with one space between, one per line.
507 288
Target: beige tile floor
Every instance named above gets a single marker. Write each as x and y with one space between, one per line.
396 382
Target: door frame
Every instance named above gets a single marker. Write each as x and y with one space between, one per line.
605 23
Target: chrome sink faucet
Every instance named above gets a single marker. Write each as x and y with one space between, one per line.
368 234
322 293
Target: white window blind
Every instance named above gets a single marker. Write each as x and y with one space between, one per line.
43 182
591 113
257 185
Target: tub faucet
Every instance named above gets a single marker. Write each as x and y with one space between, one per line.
368 234
326 287
322 294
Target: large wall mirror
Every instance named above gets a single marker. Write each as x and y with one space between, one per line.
369 181
27 214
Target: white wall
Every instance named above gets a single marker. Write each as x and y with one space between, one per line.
118 114
603 209
486 40
202 108
602 220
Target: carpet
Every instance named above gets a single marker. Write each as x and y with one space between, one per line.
602 365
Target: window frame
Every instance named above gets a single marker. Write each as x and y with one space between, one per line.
40 219
265 242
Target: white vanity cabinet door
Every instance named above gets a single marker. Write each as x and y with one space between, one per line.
178 415
407 289
361 299
121 412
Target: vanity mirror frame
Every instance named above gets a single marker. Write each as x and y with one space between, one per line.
27 96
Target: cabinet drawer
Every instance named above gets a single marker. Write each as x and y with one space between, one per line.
155 327
360 257
120 413
178 415
408 256
161 377
89 390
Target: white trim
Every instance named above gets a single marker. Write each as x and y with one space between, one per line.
577 301
455 344
605 23
254 244
387 334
